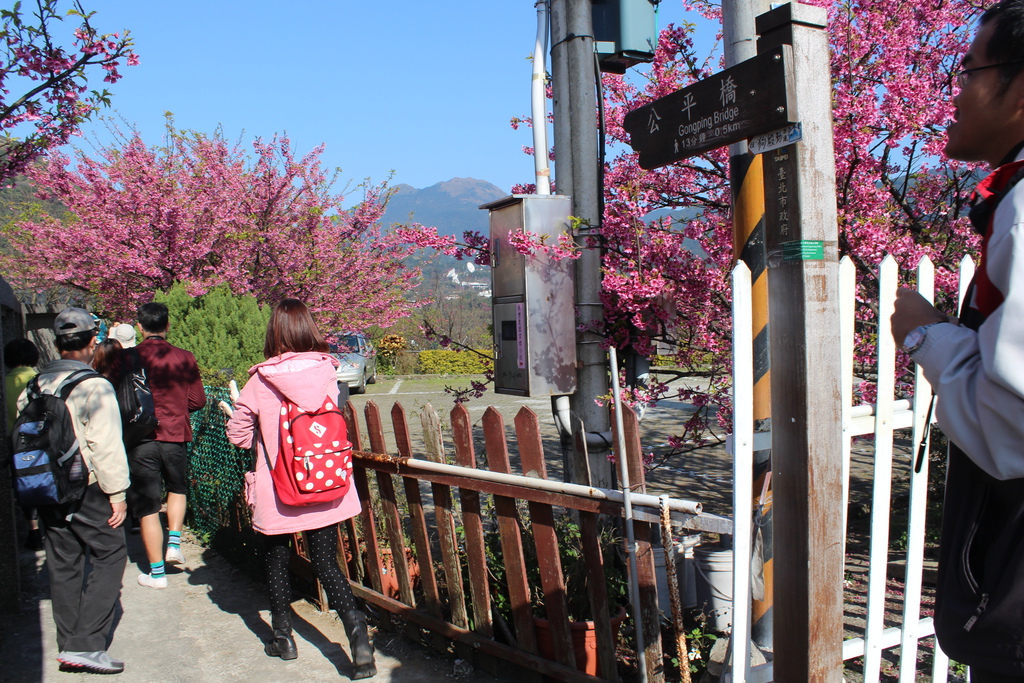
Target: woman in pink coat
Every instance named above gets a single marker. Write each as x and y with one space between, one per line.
299 368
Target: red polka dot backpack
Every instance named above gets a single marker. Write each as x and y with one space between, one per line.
314 463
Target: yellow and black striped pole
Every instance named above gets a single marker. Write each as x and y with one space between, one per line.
747 175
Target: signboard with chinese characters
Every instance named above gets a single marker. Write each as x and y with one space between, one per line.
782 211
750 98
759 144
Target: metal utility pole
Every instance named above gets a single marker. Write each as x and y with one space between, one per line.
574 78
747 176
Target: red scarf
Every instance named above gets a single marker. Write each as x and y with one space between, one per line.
986 297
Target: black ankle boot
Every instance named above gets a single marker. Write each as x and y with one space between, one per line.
359 643
283 644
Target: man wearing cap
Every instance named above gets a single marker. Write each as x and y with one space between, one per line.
177 391
89 531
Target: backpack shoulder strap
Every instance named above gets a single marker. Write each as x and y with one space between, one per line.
1014 179
32 388
64 389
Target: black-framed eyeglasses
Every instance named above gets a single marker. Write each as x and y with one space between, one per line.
962 75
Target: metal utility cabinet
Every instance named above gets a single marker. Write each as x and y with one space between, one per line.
534 318
625 33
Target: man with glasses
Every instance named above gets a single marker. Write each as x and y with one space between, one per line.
976 368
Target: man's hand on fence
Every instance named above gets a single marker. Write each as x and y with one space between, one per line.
229 408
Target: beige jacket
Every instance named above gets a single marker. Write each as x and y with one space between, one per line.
97 422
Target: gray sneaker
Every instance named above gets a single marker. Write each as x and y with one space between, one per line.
91 662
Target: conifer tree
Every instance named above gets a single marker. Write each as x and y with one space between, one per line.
224 331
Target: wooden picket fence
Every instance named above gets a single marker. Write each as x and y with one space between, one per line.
878 420
449 599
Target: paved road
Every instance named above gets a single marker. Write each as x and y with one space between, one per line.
704 475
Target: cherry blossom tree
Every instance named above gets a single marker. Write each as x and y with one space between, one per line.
54 80
200 211
667 279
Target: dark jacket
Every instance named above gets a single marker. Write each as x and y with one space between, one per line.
177 389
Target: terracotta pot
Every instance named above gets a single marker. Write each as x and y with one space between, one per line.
388 577
584 640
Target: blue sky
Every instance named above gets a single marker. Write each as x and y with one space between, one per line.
423 89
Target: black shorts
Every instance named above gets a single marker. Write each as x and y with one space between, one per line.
149 462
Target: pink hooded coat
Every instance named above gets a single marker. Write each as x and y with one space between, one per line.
305 378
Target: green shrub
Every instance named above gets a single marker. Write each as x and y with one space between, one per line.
699 360
446 362
225 332
407 363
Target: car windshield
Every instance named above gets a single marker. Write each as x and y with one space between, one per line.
344 344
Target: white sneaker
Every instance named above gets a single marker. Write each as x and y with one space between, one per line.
149 582
174 555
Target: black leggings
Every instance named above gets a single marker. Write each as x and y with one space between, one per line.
323 553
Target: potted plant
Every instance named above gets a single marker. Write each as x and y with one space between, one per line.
574 569
389 578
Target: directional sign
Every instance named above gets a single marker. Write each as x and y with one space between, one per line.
750 98
759 144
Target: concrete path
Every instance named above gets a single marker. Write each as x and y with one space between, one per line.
207 626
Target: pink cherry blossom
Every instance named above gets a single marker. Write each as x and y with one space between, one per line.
201 211
56 107
666 280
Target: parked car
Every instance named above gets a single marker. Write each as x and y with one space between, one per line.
357 360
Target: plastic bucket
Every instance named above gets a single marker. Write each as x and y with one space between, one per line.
661 574
713 565
687 572
683 549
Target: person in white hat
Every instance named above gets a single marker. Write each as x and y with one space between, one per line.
125 334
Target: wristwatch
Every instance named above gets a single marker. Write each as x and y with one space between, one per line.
915 338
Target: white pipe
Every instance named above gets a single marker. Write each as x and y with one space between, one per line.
627 496
537 101
562 409
640 499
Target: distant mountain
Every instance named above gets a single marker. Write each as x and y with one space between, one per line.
451 206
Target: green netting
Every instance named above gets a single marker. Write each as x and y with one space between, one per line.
217 513
216 472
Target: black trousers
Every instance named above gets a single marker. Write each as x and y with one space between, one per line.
83 608
323 553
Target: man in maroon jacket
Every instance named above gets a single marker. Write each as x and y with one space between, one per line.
177 391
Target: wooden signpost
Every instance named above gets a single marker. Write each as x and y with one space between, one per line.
782 106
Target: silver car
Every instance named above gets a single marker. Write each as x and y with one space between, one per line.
357 361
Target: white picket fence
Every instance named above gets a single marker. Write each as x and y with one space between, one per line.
880 419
